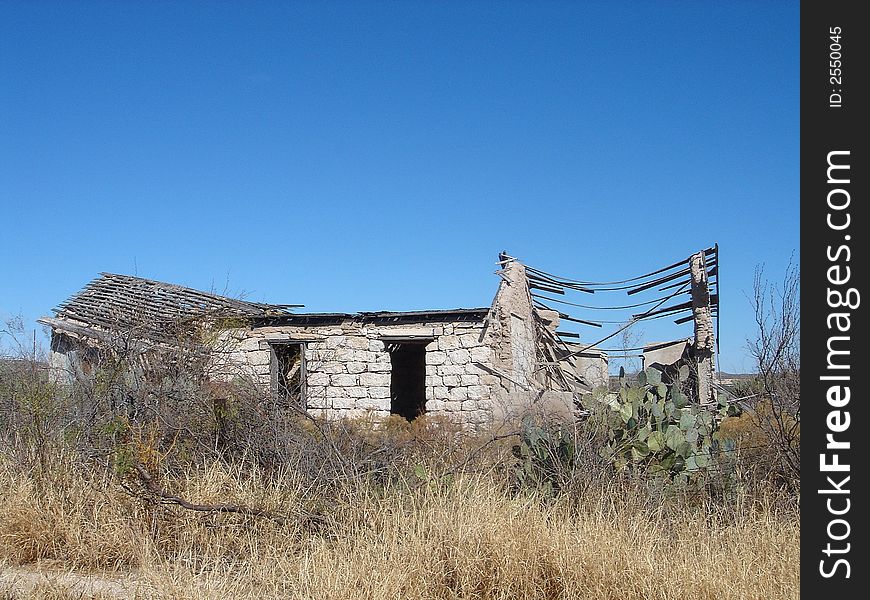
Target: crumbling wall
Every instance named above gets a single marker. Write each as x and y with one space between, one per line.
348 366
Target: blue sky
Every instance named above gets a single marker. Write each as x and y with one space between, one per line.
379 155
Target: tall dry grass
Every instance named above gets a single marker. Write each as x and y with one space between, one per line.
461 538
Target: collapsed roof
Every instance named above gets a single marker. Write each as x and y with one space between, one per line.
156 310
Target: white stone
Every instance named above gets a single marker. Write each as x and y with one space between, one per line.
317 379
469 380
477 392
451 370
480 354
440 393
356 367
374 379
436 406
433 380
473 369
448 342
459 357
317 402
344 380
357 392
436 358
469 340
334 342
362 356
377 404
489 379
378 367
344 403
450 380
332 367
379 392
357 343
376 346
259 358
458 394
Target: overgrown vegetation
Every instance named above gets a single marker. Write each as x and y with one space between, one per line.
146 466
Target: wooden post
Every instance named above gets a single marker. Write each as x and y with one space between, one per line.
704 337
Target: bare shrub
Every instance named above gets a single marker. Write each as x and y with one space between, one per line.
776 398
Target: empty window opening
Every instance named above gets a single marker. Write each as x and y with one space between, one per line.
408 380
288 375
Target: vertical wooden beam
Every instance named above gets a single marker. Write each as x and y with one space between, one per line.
705 342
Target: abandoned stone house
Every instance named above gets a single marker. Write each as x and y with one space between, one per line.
471 365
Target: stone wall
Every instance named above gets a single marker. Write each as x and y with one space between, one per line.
348 368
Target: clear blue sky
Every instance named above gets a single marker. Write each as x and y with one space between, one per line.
378 155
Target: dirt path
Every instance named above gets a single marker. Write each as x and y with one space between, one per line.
25 582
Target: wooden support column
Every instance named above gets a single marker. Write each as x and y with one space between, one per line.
704 338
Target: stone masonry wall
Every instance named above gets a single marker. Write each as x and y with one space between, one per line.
348 367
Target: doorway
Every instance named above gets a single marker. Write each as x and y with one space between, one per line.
408 380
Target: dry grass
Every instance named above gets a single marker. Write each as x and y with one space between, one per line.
468 539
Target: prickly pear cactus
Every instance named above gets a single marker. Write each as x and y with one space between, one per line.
544 457
654 427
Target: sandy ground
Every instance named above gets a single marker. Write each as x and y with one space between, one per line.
23 582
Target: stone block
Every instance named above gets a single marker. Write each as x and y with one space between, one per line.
469 340
332 367
357 343
478 392
259 357
459 357
376 346
355 367
379 392
458 394
473 369
374 379
440 393
489 379
335 341
379 367
376 404
344 380
436 406
450 380
344 403
451 370
362 356
448 342
436 357
357 392
481 354
317 379
434 380
468 380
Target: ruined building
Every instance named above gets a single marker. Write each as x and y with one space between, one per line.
472 365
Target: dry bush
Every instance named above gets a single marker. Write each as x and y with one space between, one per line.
467 538
347 509
775 391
